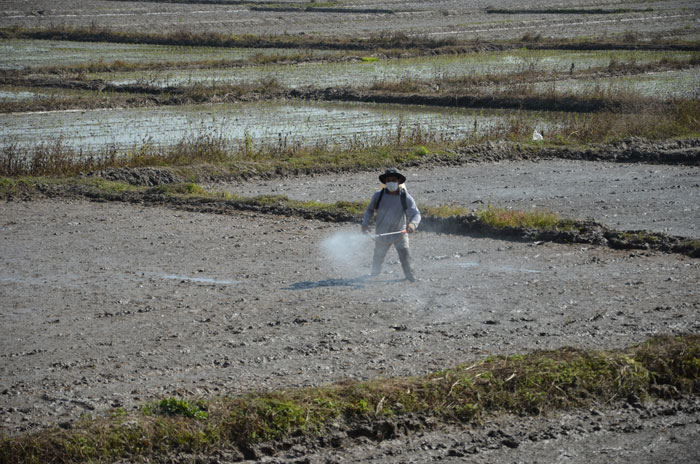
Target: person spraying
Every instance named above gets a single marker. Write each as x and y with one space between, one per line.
397 216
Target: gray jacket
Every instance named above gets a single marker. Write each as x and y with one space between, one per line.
390 215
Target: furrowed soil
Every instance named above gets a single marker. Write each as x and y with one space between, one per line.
110 305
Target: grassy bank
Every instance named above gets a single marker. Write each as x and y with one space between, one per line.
529 384
491 221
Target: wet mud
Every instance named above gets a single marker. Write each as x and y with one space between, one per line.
109 305
437 20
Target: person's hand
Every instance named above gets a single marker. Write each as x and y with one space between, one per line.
411 228
365 229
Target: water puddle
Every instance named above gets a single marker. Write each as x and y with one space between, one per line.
202 280
473 264
10 95
663 85
467 264
515 269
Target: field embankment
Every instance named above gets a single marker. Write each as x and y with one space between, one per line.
499 223
259 424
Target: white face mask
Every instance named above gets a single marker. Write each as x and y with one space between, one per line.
392 186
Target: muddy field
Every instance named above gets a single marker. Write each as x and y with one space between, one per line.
433 18
111 305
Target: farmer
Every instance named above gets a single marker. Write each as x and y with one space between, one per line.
396 212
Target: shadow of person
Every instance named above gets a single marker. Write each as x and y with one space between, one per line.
355 283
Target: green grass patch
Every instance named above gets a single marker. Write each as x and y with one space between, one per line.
177 407
544 220
185 188
535 383
640 236
444 211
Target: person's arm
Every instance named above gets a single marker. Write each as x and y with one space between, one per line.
413 216
369 212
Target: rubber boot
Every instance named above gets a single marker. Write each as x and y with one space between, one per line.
406 264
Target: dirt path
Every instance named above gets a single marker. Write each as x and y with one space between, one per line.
622 196
111 305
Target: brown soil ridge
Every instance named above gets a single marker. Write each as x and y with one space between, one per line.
681 152
237 93
533 103
181 95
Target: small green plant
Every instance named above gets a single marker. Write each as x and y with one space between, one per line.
181 407
421 151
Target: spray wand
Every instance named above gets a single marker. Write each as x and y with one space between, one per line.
402 232
391 233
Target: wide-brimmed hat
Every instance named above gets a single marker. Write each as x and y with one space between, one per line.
392 172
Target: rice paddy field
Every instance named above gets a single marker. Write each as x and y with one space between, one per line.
294 123
378 70
185 281
18 54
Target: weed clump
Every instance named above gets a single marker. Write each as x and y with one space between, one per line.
502 218
178 407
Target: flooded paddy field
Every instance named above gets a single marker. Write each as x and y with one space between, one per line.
674 18
19 54
14 94
623 196
660 85
363 73
93 318
10 93
291 122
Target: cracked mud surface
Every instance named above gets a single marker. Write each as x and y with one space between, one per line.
110 305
